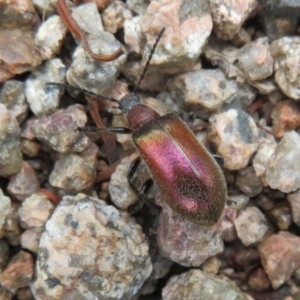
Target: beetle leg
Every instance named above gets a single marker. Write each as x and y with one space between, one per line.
120 130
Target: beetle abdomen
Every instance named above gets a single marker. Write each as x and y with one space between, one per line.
188 177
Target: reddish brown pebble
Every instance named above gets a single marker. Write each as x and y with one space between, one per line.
258 280
286 116
24 294
18 272
280 257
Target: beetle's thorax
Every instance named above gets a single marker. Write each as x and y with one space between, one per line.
139 115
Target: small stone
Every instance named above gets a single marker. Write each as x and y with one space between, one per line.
19 54
248 182
204 89
48 7
35 211
258 280
286 53
43 101
5 294
282 171
30 148
264 202
49 37
19 14
281 216
198 244
84 72
286 117
4 254
224 56
241 38
264 87
114 16
235 135
97 246
138 6
12 230
120 191
256 60
5 206
18 273
30 240
133 34
10 152
280 257
13 97
211 265
266 148
229 16
24 183
59 130
24 294
251 225
188 26
294 201
75 172
240 201
196 284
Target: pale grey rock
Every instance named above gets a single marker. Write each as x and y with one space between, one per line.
85 72
133 34
24 183
248 182
138 6
43 101
196 284
199 242
286 53
75 172
13 97
282 170
256 60
10 152
229 16
49 37
251 225
5 207
235 135
240 201
207 89
266 148
35 212
30 240
59 130
120 191
102 253
294 201
114 15
188 26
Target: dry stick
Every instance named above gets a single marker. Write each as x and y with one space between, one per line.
72 25
108 138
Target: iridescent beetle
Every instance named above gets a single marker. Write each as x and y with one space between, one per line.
188 177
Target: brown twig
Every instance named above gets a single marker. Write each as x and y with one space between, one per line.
73 26
108 138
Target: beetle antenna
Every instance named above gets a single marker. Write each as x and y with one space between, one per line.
75 88
150 56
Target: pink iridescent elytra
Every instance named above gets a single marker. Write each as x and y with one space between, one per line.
188 177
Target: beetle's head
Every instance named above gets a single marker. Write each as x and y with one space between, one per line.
128 102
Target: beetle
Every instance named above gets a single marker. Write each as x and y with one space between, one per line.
188 177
